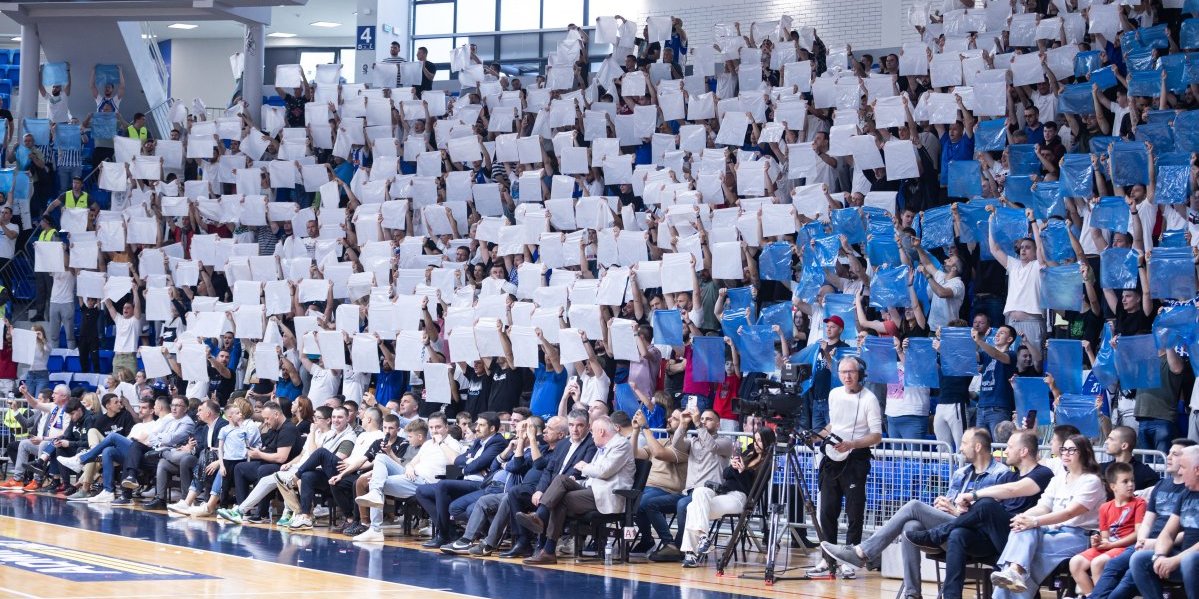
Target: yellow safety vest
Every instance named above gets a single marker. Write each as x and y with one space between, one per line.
135 133
48 235
73 202
13 425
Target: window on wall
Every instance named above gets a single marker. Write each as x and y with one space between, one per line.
476 15
433 18
519 15
560 13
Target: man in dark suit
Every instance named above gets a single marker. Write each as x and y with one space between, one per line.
527 496
475 465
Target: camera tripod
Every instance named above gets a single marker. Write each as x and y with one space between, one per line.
776 525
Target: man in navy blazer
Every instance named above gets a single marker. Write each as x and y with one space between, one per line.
527 497
475 463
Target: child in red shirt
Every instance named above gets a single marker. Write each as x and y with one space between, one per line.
1118 522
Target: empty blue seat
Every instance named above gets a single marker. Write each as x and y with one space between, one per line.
106 360
72 364
5 87
14 57
5 56
13 74
56 364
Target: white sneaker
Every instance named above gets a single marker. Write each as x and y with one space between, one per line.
370 536
71 462
320 511
371 499
847 572
425 532
199 511
566 546
179 507
102 497
820 570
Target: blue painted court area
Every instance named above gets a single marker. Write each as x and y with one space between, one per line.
482 578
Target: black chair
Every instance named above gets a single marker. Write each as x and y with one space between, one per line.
753 503
979 573
600 525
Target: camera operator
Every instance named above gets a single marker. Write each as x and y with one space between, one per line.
856 424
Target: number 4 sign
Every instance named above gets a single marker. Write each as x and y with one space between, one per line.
366 37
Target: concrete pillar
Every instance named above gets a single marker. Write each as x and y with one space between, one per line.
31 58
251 82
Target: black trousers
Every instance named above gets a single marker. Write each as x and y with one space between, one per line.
977 535
89 352
844 481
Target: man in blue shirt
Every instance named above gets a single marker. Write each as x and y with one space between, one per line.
995 399
957 142
980 471
1167 560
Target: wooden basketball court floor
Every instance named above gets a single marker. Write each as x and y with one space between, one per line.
53 549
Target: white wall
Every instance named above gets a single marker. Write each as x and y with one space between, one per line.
200 69
865 24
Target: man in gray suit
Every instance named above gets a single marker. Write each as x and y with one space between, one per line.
612 470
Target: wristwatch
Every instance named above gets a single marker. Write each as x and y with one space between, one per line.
1156 556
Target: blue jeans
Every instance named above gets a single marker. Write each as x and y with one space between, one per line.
111 451
36 380
680 516
1115 581
990 417
907 427
1150 585
655 504
1155 434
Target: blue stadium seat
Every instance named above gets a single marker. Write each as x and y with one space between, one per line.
13 74
56 363
106 360
5 87
14 57
73 364
6 57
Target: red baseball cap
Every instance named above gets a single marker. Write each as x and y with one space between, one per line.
836 320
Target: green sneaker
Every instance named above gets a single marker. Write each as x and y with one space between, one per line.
285 519
233 515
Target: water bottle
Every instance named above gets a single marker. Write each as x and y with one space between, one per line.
609 551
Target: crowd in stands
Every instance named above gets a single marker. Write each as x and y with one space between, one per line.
485 300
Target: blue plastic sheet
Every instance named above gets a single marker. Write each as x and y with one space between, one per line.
1137 362
40 130
1190 73
965 180
810 279
920 366
707 356
842 304
1105 78
882 250
1063 359
1159 133
1055 239
1110 214
937 227
1008 226
66 136
1172 272
1154 37
959 353
1101 143
1023 160
758 353
778 313
22 156
1047 201
22 186
1085 62
1032 395
104 126
1130 163
1018 189
741 298
1175 66
1104 367
827 249
1061 287
6 179
991 136
848 222
1172 239
54 73
1139 60
1118 268
1173 184
1188 35
889 288
730 321
1077 176
107 74
881 360
1080 411
1076 99
774 263
668 328
1177 325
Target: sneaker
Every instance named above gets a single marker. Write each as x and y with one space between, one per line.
320 511
923 541
233 515
179 507
1008 578
11 483
355 529
459 547
130 483
690 561
846 554
285 519
704 546
122 500
666 553
70 463
80 495
370 499
820 571
846 572
482 550
369 535
300 522
102 497
566 546
254 518
201 511
31 486
425 532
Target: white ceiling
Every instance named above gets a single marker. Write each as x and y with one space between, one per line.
287 19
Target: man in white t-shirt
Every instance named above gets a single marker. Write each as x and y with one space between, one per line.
945 288
8 243
62 307
57 99
1023 310
128 326
112 94
324 383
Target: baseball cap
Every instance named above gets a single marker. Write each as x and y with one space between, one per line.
836 320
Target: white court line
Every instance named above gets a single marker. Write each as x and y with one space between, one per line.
402 585
18 593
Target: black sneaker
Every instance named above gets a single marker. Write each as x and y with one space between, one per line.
923 540
482 550
460 547
123 500
254 518
355 530
667 553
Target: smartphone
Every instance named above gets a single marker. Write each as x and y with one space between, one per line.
692 402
